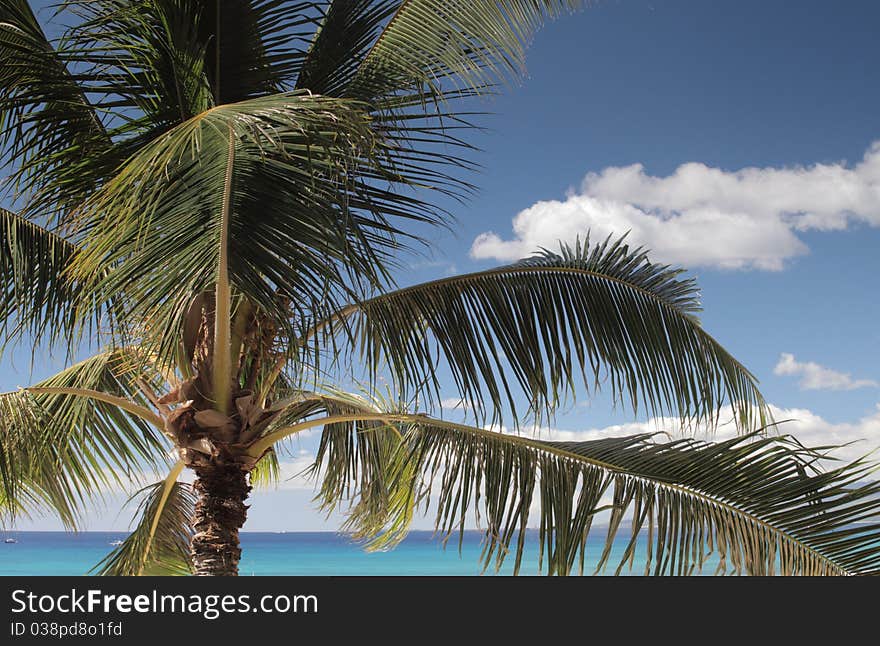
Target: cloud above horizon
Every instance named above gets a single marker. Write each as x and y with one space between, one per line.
700 215
816 377
860 437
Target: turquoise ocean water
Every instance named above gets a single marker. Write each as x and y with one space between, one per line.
290 553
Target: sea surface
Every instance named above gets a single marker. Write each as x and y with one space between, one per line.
294 553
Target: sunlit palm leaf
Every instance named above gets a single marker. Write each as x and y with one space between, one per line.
303 223
411 59
36 473
67 448
267 472
352 456
159 542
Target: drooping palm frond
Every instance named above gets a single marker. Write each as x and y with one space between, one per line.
756 504
267 472
159 542
36 473
602 310
67 438
353 454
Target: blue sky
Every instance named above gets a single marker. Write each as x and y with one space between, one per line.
785 251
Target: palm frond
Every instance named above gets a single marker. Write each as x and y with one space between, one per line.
267 471
604 311
33 467
348 30
49 130
305 223
256 45
458 43
411 59
146 60
353 454
62 446
38 298
188 55
124 73
159 542
758 504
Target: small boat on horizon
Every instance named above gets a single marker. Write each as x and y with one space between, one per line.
116 543
11 540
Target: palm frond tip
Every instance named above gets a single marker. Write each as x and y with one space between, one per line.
159 542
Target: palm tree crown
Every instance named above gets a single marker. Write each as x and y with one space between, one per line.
216 193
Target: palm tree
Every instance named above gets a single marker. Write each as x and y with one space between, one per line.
215 194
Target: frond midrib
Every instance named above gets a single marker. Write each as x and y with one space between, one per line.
21 220
705 497
380 38
691 492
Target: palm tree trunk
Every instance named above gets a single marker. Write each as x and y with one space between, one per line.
220 513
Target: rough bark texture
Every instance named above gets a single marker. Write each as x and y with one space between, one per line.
220 513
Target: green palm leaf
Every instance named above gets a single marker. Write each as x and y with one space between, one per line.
757 503
347 32
159 542
602 310
281 177
67 438
47 123
162 56
469 44
38 299
355 454
266 472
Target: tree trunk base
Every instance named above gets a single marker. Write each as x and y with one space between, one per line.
220 513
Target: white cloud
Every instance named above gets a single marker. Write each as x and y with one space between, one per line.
812 430
816 377
703 216
863 436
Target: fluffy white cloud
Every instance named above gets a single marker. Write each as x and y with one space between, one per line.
702 216
816 377
862 436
